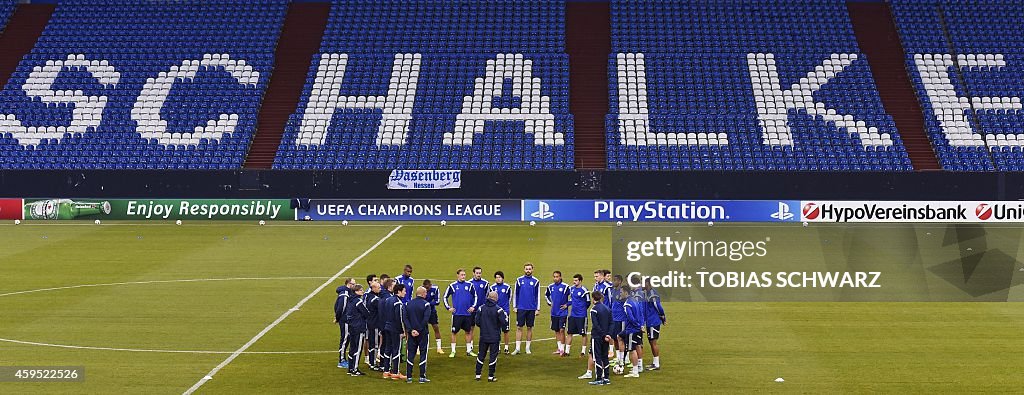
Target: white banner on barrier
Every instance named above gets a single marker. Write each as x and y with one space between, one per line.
425 179
911 211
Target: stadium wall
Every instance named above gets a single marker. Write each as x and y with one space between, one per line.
245 184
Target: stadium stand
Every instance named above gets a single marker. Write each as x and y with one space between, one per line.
480 84
6 9
966 59
879 40
435 84
14 44
588 43
303 28
16 38
744 85
131 84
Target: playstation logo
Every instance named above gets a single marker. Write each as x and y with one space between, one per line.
543 211
784 213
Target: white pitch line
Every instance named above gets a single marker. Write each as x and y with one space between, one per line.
154 350
23 342
158 282
205 223
287 313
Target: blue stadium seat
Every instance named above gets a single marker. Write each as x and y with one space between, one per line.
134 84
682 89
396 82
971 100
6 10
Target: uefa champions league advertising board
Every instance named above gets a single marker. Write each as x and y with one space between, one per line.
551 210
411 210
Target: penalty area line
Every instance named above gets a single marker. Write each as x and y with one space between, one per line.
288 312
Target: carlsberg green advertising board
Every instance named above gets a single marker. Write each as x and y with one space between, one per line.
158 209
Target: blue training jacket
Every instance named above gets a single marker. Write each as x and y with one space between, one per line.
558 296
618 311
607 292
433 296
394 315
462 297
356 315
382 308
655 313
492 320
480 287
410 286
418 316
526 293
639 298
600 321
579 302
371 300
634 318
504 294
341 304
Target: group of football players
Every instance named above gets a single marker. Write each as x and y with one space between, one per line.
389 314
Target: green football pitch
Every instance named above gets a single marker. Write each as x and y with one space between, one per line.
155 308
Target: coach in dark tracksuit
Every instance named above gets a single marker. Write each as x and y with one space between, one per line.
382 308
371 300
418 315
356 314
492 320
340 306
394 328
600 337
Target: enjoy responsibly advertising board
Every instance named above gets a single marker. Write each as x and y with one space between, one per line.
157 209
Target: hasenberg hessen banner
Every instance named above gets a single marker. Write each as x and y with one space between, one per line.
412 210
661 210
425 179
158 209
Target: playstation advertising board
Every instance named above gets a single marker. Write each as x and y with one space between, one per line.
661 210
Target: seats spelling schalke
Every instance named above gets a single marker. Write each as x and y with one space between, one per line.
6 9
744 85
431 84
968 78
133 84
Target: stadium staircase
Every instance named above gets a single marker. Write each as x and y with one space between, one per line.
300 40
588 42
958 74
878 39
20 35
